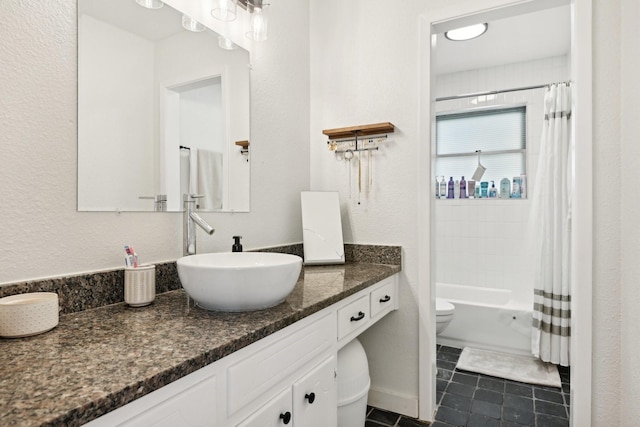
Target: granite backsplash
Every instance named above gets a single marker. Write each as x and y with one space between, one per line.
92 290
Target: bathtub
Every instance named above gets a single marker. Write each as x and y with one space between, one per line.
487 318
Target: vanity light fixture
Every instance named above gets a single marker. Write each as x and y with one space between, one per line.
188 23
467 33
224 10
259 19
150 4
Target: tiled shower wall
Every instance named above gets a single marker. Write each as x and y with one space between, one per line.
484 243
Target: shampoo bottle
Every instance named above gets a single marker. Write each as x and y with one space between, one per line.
463 188
493 192
484 189
516 191
443 188
505 186
451 190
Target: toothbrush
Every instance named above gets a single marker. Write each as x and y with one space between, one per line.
135 257
128 259
131 256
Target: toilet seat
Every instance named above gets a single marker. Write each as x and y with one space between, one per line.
444 307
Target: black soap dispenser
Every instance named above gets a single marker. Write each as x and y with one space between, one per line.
237 247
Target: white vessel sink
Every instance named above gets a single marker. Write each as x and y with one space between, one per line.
239 281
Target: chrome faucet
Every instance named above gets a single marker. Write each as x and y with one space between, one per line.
190 218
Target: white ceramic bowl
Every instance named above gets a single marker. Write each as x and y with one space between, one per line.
29 314
239 281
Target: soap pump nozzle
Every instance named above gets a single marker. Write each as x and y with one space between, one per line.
237 247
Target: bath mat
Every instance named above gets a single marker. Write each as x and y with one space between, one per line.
502 365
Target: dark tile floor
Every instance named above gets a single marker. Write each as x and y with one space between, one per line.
472 400
379 418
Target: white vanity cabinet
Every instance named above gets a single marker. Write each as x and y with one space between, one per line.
285 379
310 402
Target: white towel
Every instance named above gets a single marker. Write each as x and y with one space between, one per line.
193 171
209 178
184 174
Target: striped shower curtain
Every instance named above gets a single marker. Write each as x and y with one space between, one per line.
551 219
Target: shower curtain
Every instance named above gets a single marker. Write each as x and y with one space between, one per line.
551 220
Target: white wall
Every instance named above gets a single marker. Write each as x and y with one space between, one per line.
630 159
364 64
41 232
489 237
608 228
201 116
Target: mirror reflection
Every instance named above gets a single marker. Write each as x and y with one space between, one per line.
162 111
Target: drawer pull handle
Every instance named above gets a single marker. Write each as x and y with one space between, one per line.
386 298
286 417
311 397
360 317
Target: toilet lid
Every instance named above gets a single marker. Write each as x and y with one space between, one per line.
444 307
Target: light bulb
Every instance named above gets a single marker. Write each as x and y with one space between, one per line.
467 33
191 24
259 24
224 10
150 4
226 44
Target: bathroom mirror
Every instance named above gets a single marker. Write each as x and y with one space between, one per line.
147 88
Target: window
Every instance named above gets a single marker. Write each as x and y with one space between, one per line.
499 133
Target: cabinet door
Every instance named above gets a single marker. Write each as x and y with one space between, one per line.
275 413
193 407
315 396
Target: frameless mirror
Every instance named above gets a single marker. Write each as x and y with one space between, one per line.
162 111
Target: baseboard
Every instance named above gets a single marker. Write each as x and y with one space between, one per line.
394 402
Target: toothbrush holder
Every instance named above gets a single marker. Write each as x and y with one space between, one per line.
140 285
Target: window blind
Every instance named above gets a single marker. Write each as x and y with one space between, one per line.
499 133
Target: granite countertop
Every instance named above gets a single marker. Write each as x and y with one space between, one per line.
97 360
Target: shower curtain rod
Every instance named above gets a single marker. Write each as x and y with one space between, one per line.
494 92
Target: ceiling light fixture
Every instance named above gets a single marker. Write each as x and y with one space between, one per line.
188 23
150 4
224 10
467 33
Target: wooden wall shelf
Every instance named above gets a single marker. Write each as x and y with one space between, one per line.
362 130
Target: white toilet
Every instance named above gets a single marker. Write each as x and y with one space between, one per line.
444 314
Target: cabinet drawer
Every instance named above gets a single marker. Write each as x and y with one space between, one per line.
383 299
256 374
353 316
